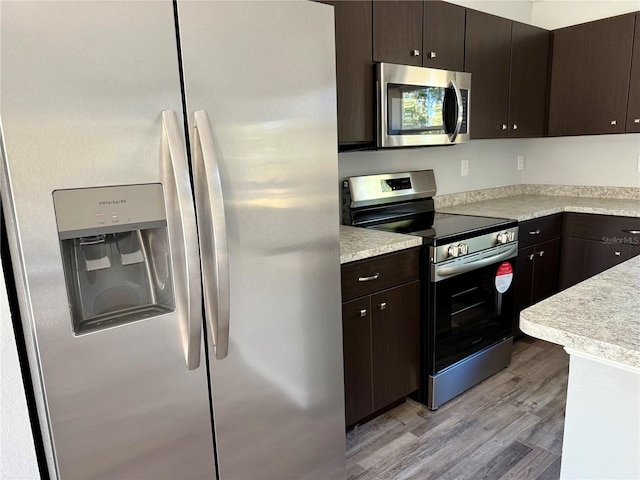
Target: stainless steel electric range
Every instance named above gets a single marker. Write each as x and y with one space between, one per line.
467 269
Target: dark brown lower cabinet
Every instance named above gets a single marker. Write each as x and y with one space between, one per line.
538 263
537 271
585 258
356 337
395 348
594 243
381 349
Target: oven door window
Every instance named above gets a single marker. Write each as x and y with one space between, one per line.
470 315
415 110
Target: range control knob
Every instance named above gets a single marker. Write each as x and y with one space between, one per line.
458 249
503 237
511 236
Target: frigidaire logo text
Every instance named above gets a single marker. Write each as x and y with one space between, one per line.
113 202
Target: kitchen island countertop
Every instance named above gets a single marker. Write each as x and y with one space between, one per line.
599 316
360 243
527 207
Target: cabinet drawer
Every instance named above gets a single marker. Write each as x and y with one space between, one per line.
605 228
378 273
583 258
539 230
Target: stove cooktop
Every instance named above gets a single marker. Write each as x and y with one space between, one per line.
441 228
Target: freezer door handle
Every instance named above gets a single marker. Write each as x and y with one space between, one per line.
212 232
182 236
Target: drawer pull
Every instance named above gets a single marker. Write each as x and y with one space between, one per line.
541 253
617 253
632 232
382 305
531 256
375 276
535 232
363 312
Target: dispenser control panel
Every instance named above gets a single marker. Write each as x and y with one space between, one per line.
84 212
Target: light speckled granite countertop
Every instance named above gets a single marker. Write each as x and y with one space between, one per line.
526 207
360 243
600 316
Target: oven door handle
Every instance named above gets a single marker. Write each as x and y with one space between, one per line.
440 273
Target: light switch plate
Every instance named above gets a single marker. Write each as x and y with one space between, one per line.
464 168
520 162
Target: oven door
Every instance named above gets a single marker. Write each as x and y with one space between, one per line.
470 307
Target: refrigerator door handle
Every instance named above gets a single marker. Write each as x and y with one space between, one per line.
212 232
182 236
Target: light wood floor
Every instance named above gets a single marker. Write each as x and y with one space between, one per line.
508 427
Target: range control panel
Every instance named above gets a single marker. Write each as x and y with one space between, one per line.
473 245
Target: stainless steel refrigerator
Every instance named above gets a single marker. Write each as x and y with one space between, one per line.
170 193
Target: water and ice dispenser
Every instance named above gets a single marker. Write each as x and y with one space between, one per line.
115 250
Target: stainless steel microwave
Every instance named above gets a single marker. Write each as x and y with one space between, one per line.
422 106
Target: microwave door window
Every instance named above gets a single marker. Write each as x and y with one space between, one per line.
415 110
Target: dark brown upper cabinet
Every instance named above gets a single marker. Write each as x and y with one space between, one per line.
509 64
397 31
354 71
590 77
487 58
633 109
529 81
443 36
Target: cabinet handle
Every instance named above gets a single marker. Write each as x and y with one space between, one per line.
515 126
614 122
632 232
375 276
541 253
382 305
363 312
617 253
636 120
531 256
503 126
432 55
415 53
535 232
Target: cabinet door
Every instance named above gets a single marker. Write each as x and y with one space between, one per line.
633 109
546 269
397 31
529 78
354 71
487 58
582 259
590 77
395 343
523 284
443 36
356 338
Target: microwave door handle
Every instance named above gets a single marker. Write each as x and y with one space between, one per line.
212 231
181 222
456 131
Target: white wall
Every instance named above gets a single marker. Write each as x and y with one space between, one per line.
492 163
519 10
606 160
17 454
554 14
